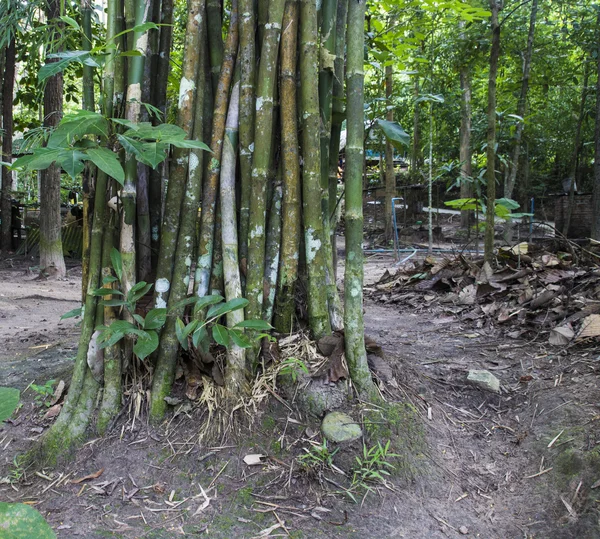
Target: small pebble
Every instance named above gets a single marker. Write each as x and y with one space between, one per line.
464 530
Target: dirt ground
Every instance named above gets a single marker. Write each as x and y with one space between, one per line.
522 463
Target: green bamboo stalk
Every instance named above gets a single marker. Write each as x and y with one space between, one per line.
209 194
285 301
236 374
164 372
247 105
354 335
311 173
135 76
179 169
112 393
263 152
273 247
159 100
337 118
215 40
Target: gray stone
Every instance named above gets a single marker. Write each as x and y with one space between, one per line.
340 427
484 380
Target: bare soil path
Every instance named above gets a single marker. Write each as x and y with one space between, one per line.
522 463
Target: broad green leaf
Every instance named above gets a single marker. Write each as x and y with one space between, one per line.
109 279
70 22
149 132
200 337
75 126
240 338
153 153
40 159
259 325
138 319
508 203
108 162
144 27
20 521
145 345
155 318
72 313
221 335
232 305
394 133
9 400
106 292
139 290
52 68
189 144
71 161
126 123
200 303
117 262
180 333
131 53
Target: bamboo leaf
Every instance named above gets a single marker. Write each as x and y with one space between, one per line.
221 335
138 291
259 325
67 57
232 305
108 162
191 144
155 318
240 339
72 313
71 22
146 345
117 262
180 333
200 303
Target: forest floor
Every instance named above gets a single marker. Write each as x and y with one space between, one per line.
521 463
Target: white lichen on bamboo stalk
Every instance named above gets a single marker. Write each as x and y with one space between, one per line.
311 173
354 339
263 154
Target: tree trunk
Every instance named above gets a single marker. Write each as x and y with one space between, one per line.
52 261
596 192
466 167
8 85
509 185
390 173
354 336
576 149
496 6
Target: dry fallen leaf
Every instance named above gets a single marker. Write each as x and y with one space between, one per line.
561 335
53 411
94 475
590 327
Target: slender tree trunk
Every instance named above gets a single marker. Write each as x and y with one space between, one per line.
354 334
521 111
8 85
416 159
596 191
311 173
262 160
576 149
496 6
465 152
52 260
215 40
291 213
390 174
